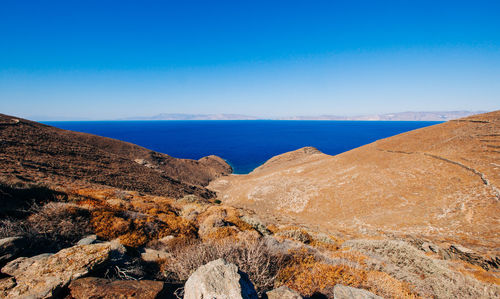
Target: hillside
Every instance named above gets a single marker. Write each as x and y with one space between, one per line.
85 216
440 182
33 153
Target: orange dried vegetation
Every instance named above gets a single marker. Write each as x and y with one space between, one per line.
307 275
107 225
479 273
221 233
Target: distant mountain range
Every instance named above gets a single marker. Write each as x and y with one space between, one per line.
180 116
401 116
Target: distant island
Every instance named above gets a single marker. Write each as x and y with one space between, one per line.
399 116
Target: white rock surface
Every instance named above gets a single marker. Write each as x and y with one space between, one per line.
219 279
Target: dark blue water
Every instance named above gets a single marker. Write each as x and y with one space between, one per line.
243 144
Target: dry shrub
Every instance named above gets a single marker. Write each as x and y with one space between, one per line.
108 225
11 227
135 229
219 222
308 275
251 256
325 242
236 221
478 272
386 286
431 277
60 221
295 233
272 228
221 233
349 257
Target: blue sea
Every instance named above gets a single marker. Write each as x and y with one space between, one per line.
244 144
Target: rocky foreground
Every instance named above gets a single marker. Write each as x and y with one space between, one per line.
89 217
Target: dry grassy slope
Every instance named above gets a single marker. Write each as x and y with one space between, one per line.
440 182
36 153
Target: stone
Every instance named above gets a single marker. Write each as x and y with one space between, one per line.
283 292
5 285
256 224
92 287
11 248
429 247
345 292
152 255
45 275
91 239
219 279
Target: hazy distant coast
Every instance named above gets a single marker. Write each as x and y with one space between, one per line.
400 116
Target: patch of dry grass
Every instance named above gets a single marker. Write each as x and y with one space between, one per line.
430 277
253 257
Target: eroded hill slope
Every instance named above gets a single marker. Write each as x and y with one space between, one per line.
31 152
440 182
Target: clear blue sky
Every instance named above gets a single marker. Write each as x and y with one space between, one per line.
113 59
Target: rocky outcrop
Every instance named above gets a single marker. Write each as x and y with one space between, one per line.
219 279
91 287
460 252
43 276
10 248
283 292
345 292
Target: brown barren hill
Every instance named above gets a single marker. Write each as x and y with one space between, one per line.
441 182
31 152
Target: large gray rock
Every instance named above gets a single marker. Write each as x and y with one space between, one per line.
344 292
43 276
11 248
283 292
219 279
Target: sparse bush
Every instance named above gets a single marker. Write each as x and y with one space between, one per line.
295 233
251 256
135 229
431 277
11 227
308 274
49 227
60 222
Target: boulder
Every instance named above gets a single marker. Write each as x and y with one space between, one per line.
219 279
11 248
344 292
283 292
43 276
91 239
92 287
